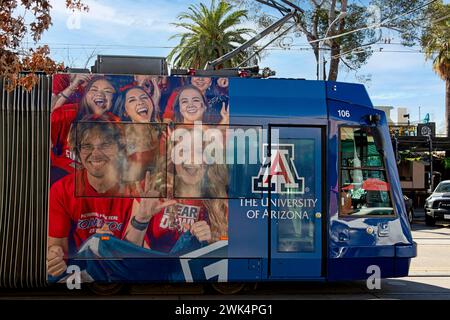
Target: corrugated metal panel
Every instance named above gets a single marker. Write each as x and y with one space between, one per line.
24 184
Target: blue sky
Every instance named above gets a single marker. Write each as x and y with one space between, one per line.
399 79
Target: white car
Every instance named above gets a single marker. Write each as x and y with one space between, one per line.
437 205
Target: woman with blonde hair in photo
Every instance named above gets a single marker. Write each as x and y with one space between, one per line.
200 206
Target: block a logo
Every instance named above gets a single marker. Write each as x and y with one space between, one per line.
281 168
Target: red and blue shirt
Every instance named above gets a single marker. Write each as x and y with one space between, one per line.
80 217
166 227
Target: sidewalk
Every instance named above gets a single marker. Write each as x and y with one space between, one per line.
433 248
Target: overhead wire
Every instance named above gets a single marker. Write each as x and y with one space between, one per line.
81 46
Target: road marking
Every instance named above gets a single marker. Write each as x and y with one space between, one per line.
433 241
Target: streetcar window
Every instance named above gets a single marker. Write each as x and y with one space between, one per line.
147 160
215 161
131 156
296 223
364 187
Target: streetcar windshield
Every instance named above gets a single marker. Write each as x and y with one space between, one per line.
364 187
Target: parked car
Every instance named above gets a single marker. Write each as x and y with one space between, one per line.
409 208
437 205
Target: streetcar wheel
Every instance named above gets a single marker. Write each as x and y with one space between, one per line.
105 289
228 288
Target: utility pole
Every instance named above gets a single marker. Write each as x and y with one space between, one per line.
430 145
420 119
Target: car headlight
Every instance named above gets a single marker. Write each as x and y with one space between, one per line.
429 203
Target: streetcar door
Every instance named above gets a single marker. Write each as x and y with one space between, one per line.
295 201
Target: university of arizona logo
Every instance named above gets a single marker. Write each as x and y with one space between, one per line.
281 168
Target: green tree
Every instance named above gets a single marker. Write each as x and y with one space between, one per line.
14 29
211 33
353 49
436 45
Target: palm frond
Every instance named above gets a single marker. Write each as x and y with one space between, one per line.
210 33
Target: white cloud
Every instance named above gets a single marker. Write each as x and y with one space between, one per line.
398 79
127 16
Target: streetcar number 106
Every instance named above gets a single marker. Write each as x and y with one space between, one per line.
344 113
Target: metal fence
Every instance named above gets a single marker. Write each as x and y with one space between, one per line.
24 184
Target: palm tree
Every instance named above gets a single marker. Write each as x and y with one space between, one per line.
212 32
436 44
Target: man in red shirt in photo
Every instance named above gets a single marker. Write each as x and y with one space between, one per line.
81 203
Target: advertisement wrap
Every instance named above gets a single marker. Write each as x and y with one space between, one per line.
152 181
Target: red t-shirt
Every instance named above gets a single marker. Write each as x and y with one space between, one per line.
162 235
61 120
169 112
86 215
61 82
142 157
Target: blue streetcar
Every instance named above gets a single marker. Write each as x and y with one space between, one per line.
309 188
297 180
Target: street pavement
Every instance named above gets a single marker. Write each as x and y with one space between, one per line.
429 275
429 279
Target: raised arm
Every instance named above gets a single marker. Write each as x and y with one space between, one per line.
62 97
144 210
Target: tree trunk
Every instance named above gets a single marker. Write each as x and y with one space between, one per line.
336 49
334 62
447 106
